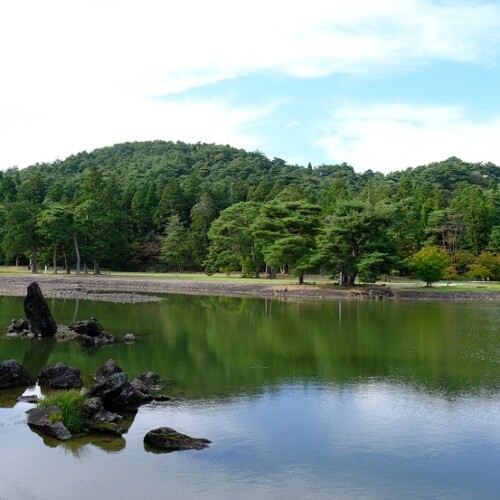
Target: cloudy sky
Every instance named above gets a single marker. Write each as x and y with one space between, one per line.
381 85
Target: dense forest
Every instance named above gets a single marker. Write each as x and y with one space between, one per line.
163 206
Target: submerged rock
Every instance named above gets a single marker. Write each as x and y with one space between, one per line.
38 313
167 439
60 376
48 421
12 374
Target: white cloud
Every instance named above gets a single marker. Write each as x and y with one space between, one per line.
81 73
382 137
87 125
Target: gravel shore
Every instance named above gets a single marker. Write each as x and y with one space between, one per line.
126 289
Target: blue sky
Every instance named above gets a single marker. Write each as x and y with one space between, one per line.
380 85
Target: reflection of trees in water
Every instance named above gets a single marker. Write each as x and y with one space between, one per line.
78 446
37 355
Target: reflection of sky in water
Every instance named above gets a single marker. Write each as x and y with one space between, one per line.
368 440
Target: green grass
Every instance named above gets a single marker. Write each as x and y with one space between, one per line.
13 270
469 287
72 406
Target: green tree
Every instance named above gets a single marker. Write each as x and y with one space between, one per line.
171 202
470 203
494 241
21 235
356 241
202 215
286 234
55 225
429 264
485 266
232 243
173 249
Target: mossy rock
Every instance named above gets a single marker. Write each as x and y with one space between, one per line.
167 439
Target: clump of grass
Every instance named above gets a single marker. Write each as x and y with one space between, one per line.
72 406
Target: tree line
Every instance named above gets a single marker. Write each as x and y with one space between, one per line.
171 206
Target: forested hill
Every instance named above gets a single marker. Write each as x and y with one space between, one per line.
163 204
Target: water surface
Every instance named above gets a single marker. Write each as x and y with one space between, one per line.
300 399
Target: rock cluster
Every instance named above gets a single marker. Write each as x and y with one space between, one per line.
111 392
374 293
89 332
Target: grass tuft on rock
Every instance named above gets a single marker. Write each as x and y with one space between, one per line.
72 406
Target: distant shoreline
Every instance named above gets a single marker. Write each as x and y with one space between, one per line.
112 288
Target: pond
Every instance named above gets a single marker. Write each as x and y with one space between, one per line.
300 400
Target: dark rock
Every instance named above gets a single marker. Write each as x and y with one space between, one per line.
100 420
64 333
18 325
60 376
12 374
106 370
109 386
38 313
167 439
125 396
48 421
90 327
115 390
150 379
144 384
147 382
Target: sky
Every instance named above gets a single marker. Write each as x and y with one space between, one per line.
381 85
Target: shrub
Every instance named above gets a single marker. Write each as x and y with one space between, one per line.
72 406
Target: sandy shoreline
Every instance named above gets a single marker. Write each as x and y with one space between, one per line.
125 289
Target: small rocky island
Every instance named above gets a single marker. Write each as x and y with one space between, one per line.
97 408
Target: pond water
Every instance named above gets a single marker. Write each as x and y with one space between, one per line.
300 399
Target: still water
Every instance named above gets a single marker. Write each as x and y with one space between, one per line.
375 400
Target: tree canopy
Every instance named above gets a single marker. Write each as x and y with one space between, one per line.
169 205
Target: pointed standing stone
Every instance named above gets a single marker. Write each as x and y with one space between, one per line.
38 313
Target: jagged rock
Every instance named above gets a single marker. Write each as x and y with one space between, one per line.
106 370
109 386
100 420
12 374
38 313
126 396
115 390
60 376
18 325
48 421
375 293
93 342
129 338
89 327
167 439
147 382
64 332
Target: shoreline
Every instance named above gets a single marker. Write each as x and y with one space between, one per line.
122 289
